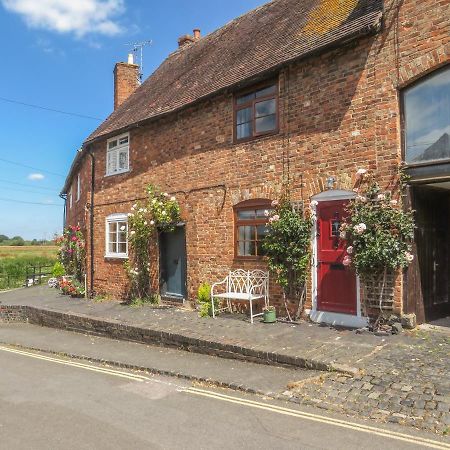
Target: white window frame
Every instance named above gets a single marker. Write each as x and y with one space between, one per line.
115 218
78 187
113 154
70 199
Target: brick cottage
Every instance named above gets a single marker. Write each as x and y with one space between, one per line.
303 92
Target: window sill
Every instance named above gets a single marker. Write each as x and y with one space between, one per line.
107 175
256 137
116 256
250 258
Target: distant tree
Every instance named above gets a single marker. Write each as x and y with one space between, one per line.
3 238
17 240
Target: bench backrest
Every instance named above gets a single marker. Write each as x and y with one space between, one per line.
246 281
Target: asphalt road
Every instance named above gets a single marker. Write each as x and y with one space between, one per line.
52 403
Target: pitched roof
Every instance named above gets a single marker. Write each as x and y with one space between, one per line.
257 42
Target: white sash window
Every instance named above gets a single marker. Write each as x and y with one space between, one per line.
117 154
116 236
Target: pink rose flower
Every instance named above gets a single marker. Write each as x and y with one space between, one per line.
347 261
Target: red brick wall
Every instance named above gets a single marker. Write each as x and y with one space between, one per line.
78 214
126 82
338 112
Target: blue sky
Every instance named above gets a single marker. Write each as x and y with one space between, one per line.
60 54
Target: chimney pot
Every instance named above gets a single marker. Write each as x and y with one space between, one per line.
197 34
130 58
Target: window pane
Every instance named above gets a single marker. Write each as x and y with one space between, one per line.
243 131
262 231
250 248
247 233
265 108
266 91
245 98
427 114
112 227
112 144
246 214
112 162
122 247
123 140
246 248
264 124
243 116
123 160
260 213
112 247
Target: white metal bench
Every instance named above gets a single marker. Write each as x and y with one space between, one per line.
242 285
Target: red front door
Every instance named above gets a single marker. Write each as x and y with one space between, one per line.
336 282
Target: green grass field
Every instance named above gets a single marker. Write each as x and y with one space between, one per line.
14 262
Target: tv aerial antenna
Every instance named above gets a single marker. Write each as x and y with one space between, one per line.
138 51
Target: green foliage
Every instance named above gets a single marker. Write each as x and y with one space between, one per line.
204 300
16 261
153 299
158 212
288 245
72 287
71 252
58 270
378 231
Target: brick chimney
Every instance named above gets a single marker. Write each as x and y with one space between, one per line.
188 39
126 80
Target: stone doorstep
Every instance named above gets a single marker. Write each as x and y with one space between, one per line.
113 329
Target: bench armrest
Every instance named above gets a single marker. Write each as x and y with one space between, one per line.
218 284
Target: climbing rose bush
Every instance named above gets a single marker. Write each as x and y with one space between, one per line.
158 212
377 230
72 251
287 245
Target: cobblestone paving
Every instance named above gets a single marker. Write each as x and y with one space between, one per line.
407 383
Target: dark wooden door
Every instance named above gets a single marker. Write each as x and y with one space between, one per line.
336 282
432 238
173 264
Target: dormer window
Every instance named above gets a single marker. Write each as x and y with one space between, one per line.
256 112
117 154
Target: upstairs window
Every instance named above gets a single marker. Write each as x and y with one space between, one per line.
116 236
427 118
256 113
251 219
117 155
78 187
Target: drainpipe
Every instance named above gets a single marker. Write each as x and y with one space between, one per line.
64 197
91 222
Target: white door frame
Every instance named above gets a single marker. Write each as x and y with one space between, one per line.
346 320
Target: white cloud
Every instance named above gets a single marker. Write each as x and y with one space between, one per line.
36 176
80 17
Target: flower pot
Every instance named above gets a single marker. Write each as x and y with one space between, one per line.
269 316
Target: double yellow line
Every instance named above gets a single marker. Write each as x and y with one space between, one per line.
104 370
321 419
246 402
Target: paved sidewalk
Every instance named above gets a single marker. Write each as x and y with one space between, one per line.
305 345
239 375
407 384
403 379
